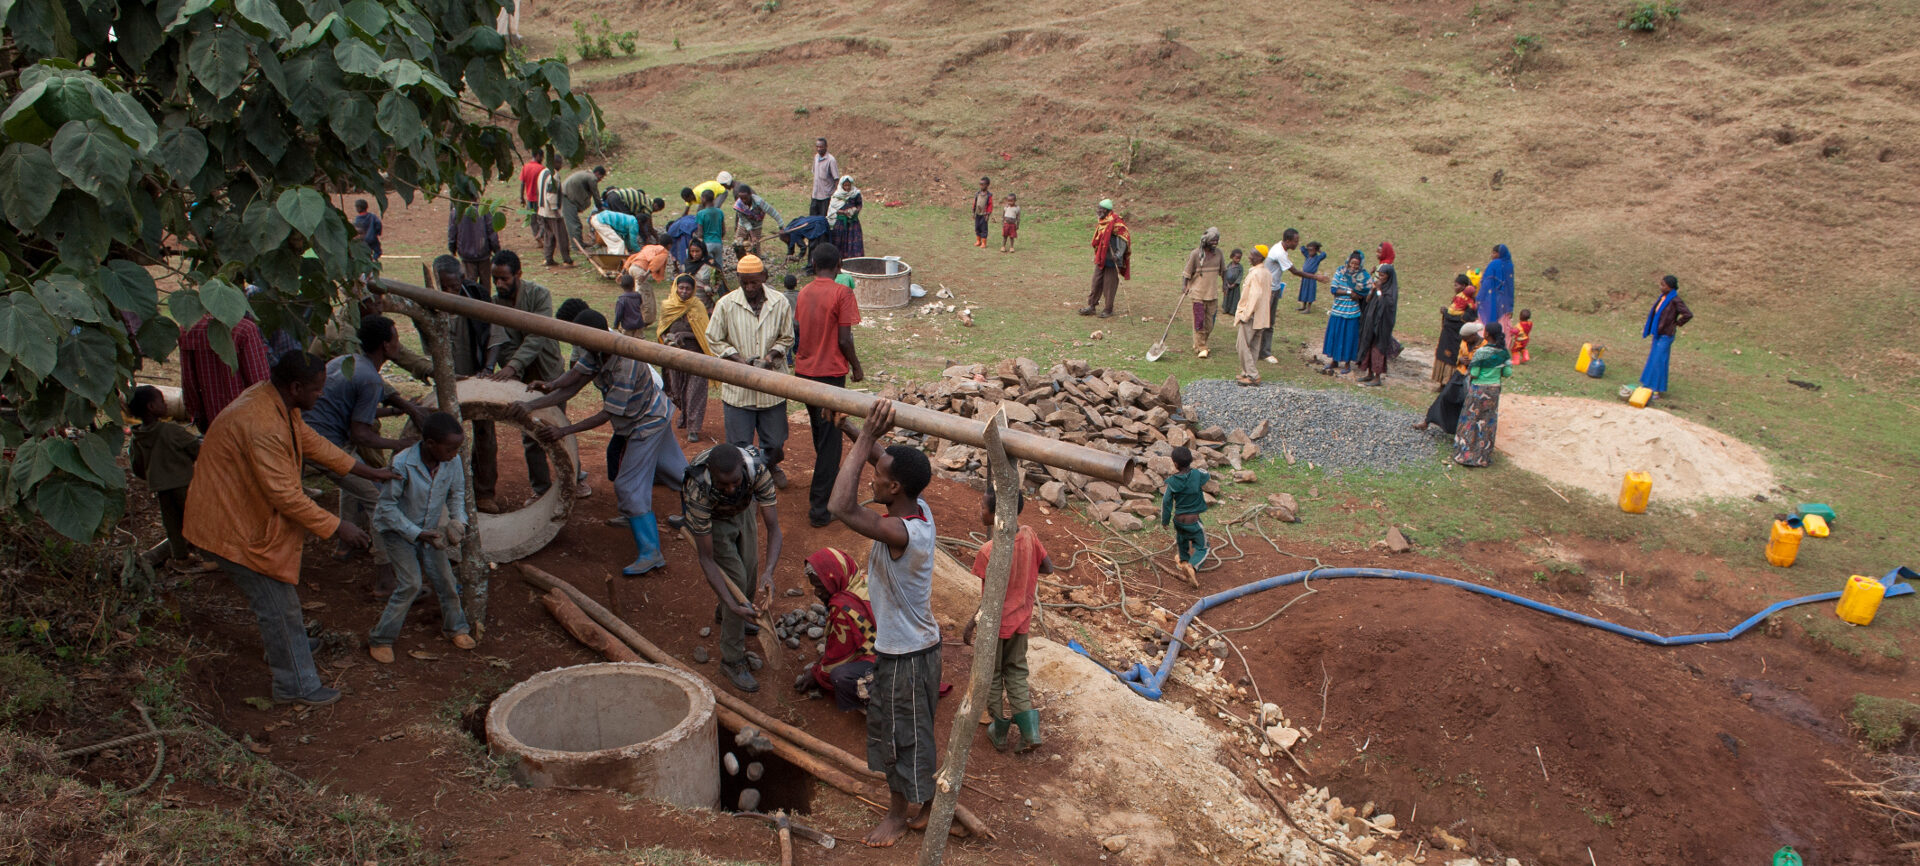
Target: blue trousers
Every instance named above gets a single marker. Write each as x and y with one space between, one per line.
411 561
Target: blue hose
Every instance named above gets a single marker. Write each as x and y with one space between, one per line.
1148 683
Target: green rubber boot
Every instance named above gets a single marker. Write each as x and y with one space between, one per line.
1029 723
997 732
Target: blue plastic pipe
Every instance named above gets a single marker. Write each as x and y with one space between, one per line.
1148 683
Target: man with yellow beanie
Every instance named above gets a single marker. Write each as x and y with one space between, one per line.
754 326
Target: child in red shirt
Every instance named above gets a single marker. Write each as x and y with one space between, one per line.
1030 560
1522 335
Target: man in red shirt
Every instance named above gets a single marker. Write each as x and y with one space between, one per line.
530 191
823 320
206 382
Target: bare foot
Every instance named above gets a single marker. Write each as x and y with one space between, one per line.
920 818
889 831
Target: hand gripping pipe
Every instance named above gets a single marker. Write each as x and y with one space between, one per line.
1104 465
1149 683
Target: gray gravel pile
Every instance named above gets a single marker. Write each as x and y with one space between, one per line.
1331 429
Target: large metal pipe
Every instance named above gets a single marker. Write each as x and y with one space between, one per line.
1093 462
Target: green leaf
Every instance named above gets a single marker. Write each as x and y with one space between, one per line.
124 114
42 27
91 154
56 97
499 221
182 152
187 10
369 17
184 306
485 82
220 337
400 73
28 184
314 79
158 336
263 226
352 120
399 118
304 207
31 462
264 55
556 74
357 57
98 450
65 296
87 361
306 36
227 304
265 14
65 456
479 40
83 236
28 333
129 287
71 508
218 59
137 34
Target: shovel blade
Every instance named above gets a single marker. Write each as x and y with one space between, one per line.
1155 351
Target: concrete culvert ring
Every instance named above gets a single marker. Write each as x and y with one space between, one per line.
522 533
643 729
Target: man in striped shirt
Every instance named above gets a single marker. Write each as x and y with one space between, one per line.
755 327
724 486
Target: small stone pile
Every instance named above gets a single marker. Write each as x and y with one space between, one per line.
802 624
1108 409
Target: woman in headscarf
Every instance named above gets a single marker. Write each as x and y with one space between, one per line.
682 324
1663 324
1452 317
843 211
1377 344
1385 252
848 662
1200 283
1444 411
1480 414
1496 290
1349 286
701 268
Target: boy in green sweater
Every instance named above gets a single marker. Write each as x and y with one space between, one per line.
1182 504
162 455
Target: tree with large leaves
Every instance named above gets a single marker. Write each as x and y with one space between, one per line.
196 142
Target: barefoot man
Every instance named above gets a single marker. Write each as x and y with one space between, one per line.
906 679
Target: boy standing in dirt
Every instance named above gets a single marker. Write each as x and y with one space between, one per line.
982 211
1010 224
417 519
163 454
1030 560
1182 504
906 680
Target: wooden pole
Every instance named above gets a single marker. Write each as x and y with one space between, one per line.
986 643
435 331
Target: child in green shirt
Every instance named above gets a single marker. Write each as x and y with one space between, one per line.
1182 505
162 455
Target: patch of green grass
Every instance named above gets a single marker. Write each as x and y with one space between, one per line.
27 687
1884 723
1599 819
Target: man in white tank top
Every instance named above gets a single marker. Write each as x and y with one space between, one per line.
906 681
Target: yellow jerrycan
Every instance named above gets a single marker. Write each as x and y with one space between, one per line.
1640 396
1585 358
1860 600
1634 490
1783 546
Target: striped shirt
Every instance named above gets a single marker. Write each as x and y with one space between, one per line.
629 395
701 503
206 382
736 330
626 199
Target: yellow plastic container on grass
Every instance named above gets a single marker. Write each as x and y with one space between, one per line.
1585 359
1634 490
1783 546
1814 524
1860 600
1640 397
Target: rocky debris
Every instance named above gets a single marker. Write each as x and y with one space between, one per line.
1283 507
1396 541
755 770
1125 522
731 763
706 631
700 655
1331 429
1114 844
749 800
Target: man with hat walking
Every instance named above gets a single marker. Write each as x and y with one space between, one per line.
1112 259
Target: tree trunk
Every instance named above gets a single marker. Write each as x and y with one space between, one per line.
435 328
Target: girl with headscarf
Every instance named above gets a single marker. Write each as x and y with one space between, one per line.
701 268
848 661
1496 290
1376 326
843 211
1444 411
1349 287
1452 317
1200 283
1480 413
1310 289
1663 324
682 324
1385 252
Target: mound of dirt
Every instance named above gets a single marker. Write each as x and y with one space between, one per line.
1591 444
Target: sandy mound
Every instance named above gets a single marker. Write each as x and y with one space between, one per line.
1591 444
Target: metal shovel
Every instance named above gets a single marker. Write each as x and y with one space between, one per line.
1159 346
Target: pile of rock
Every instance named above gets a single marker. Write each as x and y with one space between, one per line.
803 624
1109 409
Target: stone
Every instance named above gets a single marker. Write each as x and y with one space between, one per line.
1282 736
1283 507
1238 437
700 655
815 632
1027 370
1446 841
1212 433
1269 713
794 592
1233 456
1077 368
755 770
1054 493
706 631
749 800
1124 522
1018 411
1244 476
1169 393
1179 435
1101 491
1067 419
1097 335
1161 466
1114 844
1385 821
1144 482
1142 507
955 457
1249 451
1259 431
1101 510
793 643
963 371
1397 541
731 763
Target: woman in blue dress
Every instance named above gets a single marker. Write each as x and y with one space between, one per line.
1310 289
1349 287
1663 323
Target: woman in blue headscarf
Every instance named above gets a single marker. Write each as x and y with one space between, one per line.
1349 286
1496 290
1663 323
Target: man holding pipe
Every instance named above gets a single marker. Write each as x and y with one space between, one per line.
724 486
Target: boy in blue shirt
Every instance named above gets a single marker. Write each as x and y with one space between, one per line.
430 492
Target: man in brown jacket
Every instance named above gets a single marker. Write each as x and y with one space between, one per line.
246 509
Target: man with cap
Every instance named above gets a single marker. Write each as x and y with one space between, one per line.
754 326
1200 283
720 186
1112 259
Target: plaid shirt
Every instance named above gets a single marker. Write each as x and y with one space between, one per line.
735 330
701 503
207 383
628 394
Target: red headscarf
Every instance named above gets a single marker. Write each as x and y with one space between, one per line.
849 612
1386 252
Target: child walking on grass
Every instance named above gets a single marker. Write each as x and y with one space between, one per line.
1182 504
1522 335
1010 224
162 455
1030 560
431 493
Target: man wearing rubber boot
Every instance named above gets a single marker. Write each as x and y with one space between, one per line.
642 434
723 485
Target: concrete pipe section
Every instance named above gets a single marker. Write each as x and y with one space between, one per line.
519 534
643 729
878 283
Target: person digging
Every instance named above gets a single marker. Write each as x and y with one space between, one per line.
724 485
